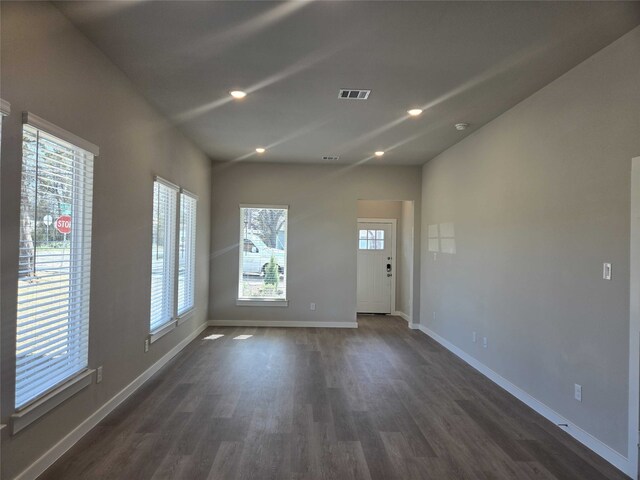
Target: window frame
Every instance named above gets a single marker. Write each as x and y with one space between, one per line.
171 289
258 301
190 261
5 110
40 404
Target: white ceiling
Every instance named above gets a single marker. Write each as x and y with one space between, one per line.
460 61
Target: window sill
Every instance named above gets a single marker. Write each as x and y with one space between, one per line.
162 331
183 317
266 302
44 405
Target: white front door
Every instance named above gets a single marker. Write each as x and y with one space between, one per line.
374 267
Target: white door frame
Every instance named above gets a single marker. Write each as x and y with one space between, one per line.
394 252
634 322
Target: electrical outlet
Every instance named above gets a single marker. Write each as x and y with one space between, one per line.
577 392
475 337
485 342
434 315
99 374
312 307
146 345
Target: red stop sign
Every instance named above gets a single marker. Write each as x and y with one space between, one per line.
63 224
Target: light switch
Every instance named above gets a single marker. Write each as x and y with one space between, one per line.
606 271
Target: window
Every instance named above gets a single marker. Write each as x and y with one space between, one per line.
5 109
165 199
263 256
187 253
52 337
371 240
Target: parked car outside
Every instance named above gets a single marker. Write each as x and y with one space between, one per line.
257 255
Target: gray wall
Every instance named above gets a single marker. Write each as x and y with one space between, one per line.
322 233
48 68
539 199
379 209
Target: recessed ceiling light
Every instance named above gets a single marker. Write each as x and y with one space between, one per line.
237 94
461 126
414 112
260 150
379 153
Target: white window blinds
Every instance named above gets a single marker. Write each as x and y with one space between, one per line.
54 263
165 198
187 253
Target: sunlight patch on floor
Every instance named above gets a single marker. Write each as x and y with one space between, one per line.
215 336
242 337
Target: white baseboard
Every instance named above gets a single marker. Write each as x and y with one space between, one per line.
280 323
402 315
54 453
605 451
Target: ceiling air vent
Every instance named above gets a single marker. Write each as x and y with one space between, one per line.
351 94
331 157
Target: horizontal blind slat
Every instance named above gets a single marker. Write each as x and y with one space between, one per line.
30 362
53 339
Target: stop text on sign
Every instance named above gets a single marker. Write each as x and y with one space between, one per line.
63 224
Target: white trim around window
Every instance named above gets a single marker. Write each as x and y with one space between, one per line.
25 417
262 241
48 127
186 256
163 258
5 107
166 182
52 324
267 302
173 280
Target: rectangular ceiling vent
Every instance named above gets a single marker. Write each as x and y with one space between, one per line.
331 157
351 94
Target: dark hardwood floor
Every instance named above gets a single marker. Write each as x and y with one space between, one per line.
380 402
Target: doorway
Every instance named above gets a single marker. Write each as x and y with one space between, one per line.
376 265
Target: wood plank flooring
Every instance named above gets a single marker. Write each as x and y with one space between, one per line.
380 402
